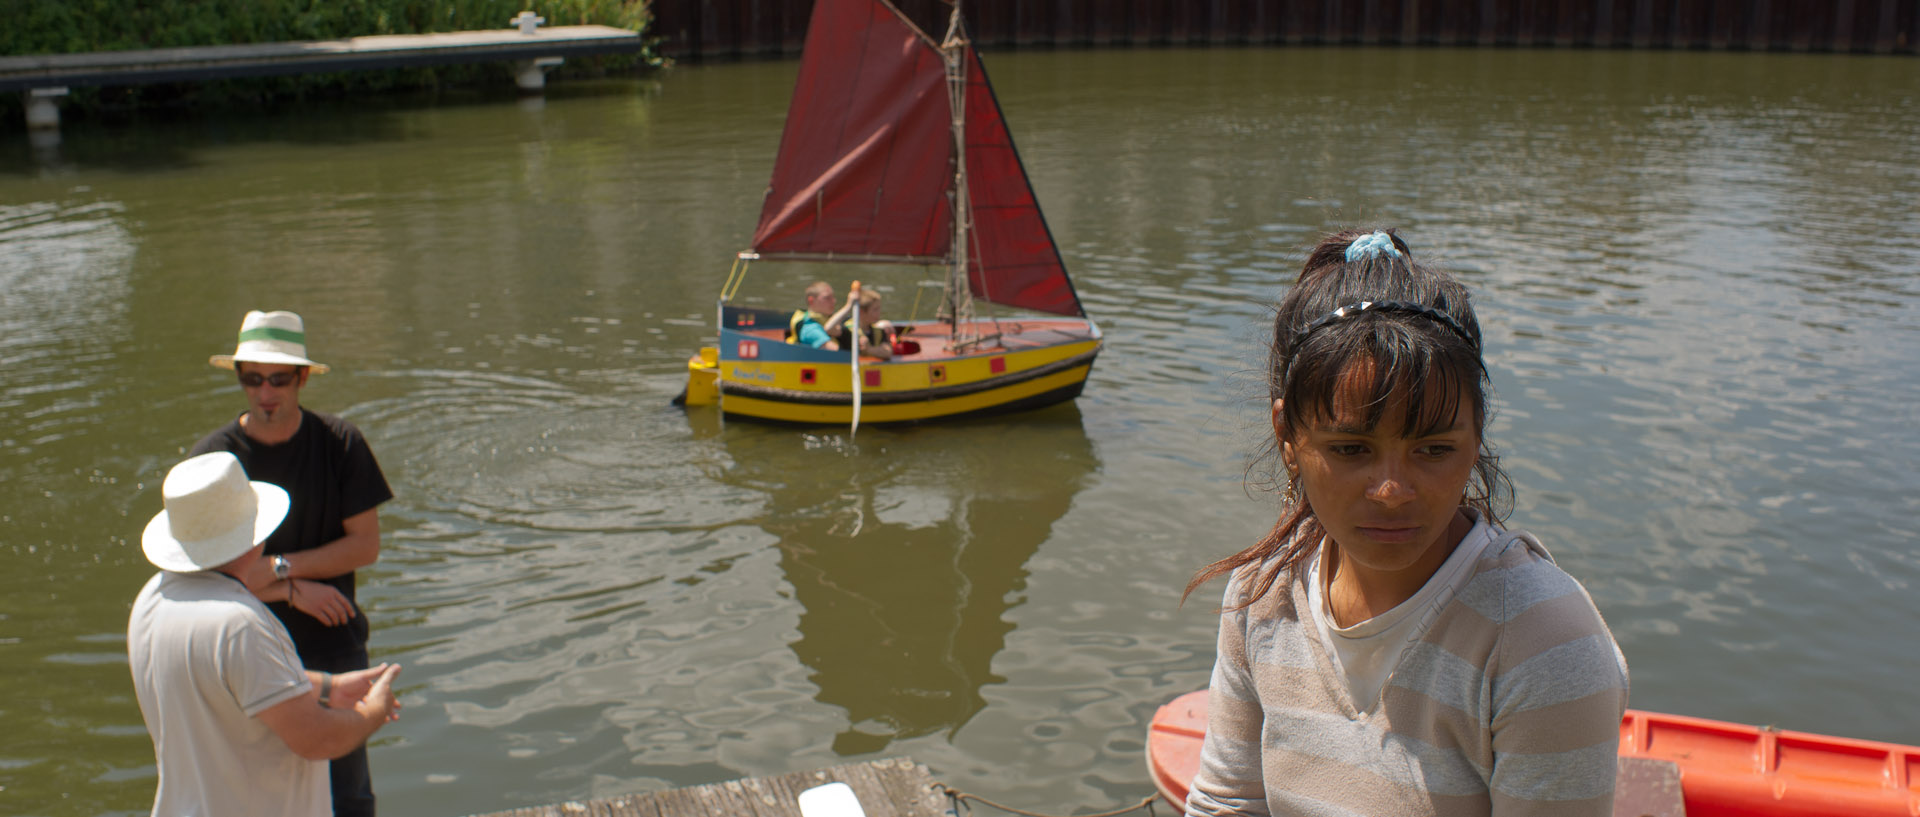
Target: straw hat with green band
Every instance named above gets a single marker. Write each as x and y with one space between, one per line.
271 337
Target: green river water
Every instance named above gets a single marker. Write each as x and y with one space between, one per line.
1698 275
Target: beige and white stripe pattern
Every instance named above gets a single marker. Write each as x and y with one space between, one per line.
1509 703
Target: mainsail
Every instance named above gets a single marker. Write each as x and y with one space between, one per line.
866 169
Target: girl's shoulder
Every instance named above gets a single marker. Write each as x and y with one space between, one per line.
1549 644
1516 574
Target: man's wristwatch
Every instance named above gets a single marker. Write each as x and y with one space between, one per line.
281 567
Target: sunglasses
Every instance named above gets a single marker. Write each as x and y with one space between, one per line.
278 380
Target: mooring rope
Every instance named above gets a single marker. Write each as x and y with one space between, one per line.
957 798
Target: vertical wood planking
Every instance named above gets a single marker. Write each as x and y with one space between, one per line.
743 28
1887 31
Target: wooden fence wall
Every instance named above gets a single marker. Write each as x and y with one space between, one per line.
695 29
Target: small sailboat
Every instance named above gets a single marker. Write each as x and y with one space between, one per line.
895 153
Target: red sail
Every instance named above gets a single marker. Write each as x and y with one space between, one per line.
1014 259
866 163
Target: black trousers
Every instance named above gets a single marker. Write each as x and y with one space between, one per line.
352 779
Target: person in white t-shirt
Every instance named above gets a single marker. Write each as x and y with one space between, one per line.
238 727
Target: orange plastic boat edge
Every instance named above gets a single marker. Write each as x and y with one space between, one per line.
1730 769
1173 746
1726 769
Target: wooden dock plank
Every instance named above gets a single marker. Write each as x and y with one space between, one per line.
896 787
267 59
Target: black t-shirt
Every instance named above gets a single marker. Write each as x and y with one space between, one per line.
330 474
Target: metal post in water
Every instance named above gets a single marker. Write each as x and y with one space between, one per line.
43 112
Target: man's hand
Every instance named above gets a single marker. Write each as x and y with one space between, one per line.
318 732
378 701
322 601
350 688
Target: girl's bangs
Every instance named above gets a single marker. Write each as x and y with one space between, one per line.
1379 366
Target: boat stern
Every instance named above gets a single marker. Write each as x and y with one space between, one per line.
703 377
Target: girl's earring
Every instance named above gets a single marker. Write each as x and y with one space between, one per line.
1291 496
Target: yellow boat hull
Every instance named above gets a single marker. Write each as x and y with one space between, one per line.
754 375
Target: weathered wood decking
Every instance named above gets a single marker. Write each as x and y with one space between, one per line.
896 787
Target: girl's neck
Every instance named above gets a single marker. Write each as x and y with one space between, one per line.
1356 593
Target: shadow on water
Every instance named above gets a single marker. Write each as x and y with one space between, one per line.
906 549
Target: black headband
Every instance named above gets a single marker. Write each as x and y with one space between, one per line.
1408 307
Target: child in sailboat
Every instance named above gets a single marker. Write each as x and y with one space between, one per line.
877 333
806 325
1388 647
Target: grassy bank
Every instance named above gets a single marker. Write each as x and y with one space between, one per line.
69 26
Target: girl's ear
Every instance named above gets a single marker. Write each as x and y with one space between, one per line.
1286 448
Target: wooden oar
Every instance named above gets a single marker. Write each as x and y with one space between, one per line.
855 298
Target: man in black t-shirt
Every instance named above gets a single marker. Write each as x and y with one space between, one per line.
333 527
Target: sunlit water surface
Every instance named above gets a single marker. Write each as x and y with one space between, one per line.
1698 274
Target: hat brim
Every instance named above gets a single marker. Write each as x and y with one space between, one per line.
227 361
167 553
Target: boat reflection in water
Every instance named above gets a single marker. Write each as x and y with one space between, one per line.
906 550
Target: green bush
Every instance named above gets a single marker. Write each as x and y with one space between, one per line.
71 26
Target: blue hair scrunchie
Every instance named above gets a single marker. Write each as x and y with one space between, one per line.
1369 247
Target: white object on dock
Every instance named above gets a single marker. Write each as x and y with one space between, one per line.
528 22
830 800
531 75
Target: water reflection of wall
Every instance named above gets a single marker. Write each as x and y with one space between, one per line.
905 550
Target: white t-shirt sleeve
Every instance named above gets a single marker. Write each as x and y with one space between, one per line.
262 668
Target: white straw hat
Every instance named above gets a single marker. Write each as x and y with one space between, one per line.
213 515
271 337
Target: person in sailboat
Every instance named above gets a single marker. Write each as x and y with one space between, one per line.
1388 647
806 325
876 333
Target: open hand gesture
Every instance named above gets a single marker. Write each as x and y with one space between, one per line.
372 687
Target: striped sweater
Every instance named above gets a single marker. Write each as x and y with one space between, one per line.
1509 703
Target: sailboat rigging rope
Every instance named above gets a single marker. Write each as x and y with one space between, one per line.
915 313
956 798
735 277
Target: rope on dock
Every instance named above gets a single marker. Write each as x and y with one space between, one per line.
957 798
